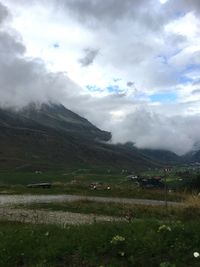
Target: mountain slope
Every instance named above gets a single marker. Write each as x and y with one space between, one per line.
162 156
52 136
58 117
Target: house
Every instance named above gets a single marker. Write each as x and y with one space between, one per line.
132 177
158 178
151 183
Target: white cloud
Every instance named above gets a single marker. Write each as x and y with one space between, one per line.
163 1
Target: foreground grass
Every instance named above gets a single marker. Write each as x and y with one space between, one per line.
141 243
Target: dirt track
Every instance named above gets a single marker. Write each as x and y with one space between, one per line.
52 217
60 217
7 200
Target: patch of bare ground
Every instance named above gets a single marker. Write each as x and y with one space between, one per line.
51 217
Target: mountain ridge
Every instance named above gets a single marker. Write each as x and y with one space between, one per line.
50 134
40 136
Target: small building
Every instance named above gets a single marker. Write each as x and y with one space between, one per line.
132 177
158 178
151 183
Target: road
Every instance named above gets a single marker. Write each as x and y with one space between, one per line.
8 210
7 200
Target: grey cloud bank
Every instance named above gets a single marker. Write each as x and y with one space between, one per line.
24 80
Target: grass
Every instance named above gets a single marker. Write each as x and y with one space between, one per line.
77 181
151 236
142 244
64 176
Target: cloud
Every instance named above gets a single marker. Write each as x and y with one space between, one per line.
24 80
139 42
150 130
4 14
100 12
196 91
130 84
89 57
184 6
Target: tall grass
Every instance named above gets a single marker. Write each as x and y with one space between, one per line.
140 243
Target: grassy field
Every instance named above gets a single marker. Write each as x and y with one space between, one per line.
139 243
78 182
64 176
150 236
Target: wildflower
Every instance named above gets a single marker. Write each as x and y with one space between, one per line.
196 254
117 239
122 253
47 234
167 264
164 228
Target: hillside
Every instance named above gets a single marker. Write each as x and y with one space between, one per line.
52 136
162 156
59 118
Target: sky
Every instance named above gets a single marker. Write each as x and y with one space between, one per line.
130 67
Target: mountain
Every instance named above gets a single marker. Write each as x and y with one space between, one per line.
62 119
163 156
192 157
51 136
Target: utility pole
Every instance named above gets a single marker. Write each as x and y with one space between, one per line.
165 177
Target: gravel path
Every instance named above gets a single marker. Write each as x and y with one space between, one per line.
52 217
61 217
7 200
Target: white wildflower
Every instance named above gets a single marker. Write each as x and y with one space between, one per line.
122 253
196 254
117 239
164 228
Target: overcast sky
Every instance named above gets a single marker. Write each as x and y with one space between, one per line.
131 67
